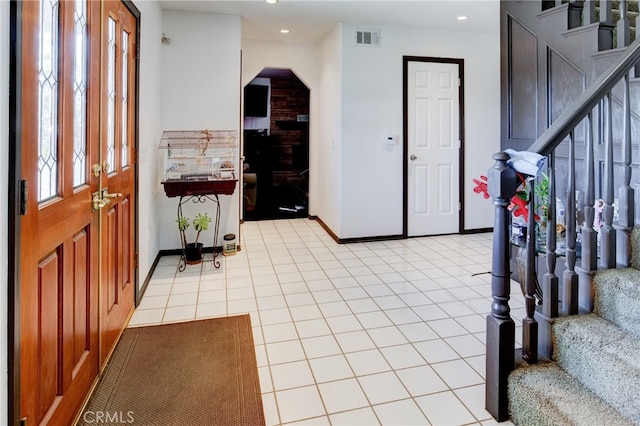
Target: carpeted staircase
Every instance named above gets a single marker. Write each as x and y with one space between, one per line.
594 378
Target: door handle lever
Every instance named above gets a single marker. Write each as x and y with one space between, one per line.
103 198
98 202
413 157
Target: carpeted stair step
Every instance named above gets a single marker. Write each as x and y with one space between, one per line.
617 298
545 395
603 358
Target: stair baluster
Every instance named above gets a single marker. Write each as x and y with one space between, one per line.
607 232
589 240
529 324
636 68
570 277
605 31
589 12
574 18
606 12
626 194
623 26
589 235
550 279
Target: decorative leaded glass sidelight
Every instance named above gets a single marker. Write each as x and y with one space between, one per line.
111 96
80 95
48 100
125 98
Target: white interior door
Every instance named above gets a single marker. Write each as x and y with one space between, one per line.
433 114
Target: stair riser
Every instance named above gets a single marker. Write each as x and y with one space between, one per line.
617 298
603 359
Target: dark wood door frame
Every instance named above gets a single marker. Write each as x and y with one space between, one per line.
405 136
13 261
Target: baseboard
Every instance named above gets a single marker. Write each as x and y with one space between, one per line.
167 252
477 231
370 239
325 227
384 237
357 239
145 283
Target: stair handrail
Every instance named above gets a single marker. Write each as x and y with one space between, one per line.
578 110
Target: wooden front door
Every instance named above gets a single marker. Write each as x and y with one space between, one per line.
68 125
118 136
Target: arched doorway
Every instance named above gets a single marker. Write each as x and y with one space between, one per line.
276 146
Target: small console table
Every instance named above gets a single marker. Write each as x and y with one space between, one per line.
201 199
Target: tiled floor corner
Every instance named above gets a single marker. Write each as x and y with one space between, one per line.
376 333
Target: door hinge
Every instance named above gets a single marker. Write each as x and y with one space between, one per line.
24 193
22 422
459 205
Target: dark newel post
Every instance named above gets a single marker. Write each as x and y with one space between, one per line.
500 327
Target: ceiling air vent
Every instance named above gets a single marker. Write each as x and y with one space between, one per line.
368 38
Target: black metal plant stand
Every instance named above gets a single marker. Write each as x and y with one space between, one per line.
200 199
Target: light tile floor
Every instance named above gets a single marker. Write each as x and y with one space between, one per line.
388 332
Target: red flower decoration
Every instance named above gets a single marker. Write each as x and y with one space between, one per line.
518 202
481 186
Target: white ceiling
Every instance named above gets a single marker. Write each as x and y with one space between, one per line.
310 20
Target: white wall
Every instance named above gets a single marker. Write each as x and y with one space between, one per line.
329 150
4 207
200 89
150 129
372 108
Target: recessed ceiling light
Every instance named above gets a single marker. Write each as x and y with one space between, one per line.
284 31
462 18
271 1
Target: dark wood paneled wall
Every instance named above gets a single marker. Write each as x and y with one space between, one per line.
545 66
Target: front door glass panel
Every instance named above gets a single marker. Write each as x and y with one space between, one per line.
111 96
125 99
80 95
48 101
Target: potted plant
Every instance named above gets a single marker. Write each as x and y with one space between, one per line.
193 251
